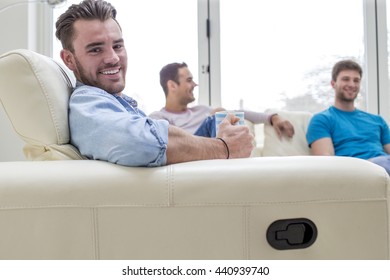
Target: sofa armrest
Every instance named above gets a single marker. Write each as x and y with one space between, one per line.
216 209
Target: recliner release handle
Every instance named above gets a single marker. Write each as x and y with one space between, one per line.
292 234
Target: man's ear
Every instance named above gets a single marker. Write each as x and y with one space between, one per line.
171 85
67 58
332 83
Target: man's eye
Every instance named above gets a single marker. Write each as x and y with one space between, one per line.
95 50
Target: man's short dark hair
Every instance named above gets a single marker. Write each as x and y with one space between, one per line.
170 72
347 64
86 10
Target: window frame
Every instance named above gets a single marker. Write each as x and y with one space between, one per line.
377 58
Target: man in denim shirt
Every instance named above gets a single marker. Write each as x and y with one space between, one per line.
107 125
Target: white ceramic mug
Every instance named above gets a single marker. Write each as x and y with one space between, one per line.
219 116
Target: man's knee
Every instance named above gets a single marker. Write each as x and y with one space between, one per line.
383 161
207 128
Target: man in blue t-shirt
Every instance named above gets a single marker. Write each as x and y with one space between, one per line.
343 130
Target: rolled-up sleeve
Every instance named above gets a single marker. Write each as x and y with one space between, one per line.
103 129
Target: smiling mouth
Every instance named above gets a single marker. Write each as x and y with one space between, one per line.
110 72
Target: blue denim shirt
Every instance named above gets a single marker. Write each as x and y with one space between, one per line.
110 127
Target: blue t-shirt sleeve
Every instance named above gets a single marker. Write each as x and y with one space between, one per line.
102 129
385 133
319 127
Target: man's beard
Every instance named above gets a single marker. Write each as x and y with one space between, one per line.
346 98
96 83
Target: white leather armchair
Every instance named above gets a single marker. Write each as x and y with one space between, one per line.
58 205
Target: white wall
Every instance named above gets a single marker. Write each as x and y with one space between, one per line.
13 26
15 33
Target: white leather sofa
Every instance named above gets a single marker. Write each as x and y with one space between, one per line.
283 205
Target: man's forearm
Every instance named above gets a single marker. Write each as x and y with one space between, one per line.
183 147
257 117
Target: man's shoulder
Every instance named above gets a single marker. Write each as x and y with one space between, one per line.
85 89
81 88
158 114
200 108
365 113
375 117
325 114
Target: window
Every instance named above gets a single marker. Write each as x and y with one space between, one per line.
268 54
388 38
156 33
279 54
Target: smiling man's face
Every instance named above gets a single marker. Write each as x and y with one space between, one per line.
347 85
185 87
99 58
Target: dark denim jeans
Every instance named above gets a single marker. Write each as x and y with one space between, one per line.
207 128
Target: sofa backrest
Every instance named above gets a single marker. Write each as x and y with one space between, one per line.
34 91
274 146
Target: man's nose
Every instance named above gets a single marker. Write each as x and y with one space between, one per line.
111 57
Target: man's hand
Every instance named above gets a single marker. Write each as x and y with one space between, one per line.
282 127
237 137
